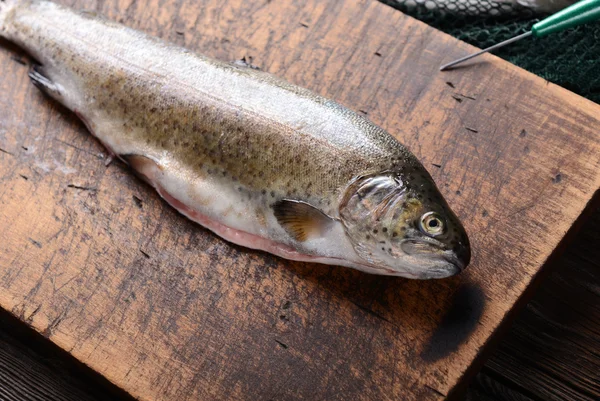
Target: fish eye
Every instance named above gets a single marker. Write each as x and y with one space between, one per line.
432 224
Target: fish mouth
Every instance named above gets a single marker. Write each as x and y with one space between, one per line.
442 263
450 266
428 260
452 270
446 266
455 261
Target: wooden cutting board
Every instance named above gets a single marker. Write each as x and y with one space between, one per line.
92 258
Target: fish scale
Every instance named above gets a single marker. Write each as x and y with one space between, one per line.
259 161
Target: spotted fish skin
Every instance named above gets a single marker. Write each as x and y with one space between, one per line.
223 143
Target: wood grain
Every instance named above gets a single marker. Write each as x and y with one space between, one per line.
539 359
32 369
553 350
92 258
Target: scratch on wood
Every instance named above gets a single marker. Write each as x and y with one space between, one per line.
79 149
138 201
6 151
467 97
36 310
81 187
532 203
36 243
471 129
129 370
283 345
47 332
557 178
369 311
435 390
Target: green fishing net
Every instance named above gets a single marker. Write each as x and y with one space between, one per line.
570 59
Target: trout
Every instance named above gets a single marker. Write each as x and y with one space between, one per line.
260 162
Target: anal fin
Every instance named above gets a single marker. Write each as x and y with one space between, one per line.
301 220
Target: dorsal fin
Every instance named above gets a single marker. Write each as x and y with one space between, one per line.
301 220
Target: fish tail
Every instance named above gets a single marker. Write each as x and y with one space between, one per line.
6 7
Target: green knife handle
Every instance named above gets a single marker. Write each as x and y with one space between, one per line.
579 13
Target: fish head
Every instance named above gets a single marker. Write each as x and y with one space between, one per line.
401 225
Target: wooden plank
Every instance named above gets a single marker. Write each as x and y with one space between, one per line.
553 350
92 259
524 368
34 369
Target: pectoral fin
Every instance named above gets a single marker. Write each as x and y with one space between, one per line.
301 220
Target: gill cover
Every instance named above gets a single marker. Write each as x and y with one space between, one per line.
369 208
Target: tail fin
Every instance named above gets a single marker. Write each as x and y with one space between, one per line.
5 8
